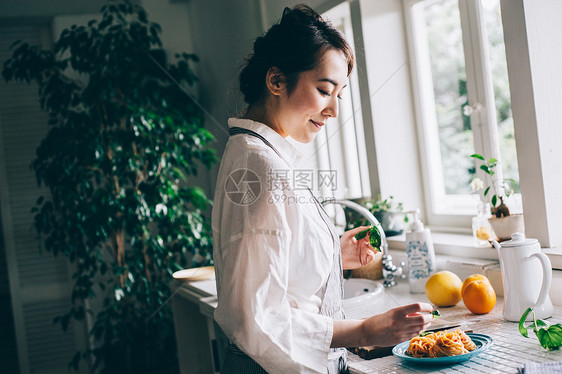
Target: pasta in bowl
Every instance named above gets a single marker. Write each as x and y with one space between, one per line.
441 344
442 348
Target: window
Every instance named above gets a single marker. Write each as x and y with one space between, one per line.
461 92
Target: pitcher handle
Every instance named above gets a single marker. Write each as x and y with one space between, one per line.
547 276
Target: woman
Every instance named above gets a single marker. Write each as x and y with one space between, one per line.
278 259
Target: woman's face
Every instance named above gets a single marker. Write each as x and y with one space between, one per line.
314 99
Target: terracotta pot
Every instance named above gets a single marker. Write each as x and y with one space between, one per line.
372 270
505 226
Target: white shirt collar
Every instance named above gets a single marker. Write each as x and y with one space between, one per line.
288 151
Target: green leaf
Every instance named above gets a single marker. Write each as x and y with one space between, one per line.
541 323
494 200
522 328
425 333
486 191
375 238
75 363
550 337
361 234
478 156
65 321
486 169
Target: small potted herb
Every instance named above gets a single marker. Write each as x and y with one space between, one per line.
503 222
388 212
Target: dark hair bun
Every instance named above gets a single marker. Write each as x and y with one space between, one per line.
256 66
300 14
293 45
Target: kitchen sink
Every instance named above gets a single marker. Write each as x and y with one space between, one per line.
355 287
361 297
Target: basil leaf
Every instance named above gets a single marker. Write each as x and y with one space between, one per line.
361 234
375 238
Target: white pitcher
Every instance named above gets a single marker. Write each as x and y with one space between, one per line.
526 274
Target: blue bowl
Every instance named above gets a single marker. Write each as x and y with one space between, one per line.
482 342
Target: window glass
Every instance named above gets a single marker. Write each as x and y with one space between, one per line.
445 48
459 54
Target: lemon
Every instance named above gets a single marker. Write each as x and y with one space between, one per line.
444 288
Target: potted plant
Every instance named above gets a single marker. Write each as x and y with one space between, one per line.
388 212
502 221
123 142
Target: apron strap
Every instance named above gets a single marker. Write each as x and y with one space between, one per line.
240 130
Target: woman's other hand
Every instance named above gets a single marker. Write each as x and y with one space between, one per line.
383 330
355 253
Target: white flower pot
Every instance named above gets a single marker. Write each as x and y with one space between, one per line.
505 226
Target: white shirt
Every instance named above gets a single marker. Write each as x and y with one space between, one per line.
273 254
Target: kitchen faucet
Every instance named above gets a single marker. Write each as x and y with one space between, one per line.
389 270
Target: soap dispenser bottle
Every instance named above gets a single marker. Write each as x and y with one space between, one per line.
421 255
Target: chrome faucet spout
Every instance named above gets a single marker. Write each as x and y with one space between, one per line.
389 270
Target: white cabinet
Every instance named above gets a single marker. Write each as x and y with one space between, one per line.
200 341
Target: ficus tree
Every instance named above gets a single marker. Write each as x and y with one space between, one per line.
123 141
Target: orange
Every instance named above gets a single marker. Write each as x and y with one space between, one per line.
471 278
444 288
479 297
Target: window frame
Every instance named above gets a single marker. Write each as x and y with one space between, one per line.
452 212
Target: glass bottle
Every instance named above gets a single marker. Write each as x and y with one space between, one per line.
481 229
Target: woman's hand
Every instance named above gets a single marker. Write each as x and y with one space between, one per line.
355 253
398 324
383 330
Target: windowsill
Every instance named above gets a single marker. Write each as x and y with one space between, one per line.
462 245
456 252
